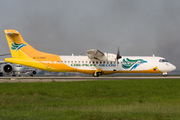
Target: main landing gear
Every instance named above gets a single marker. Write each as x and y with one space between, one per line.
97 74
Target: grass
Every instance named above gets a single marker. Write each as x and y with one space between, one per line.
157 99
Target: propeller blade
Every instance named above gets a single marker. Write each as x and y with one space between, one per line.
118 54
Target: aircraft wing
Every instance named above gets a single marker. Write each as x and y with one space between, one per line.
2 62
95 54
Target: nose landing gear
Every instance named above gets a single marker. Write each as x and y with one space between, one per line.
165 74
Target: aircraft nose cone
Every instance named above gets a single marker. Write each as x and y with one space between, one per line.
173 67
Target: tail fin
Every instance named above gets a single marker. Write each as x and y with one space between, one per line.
17 44
19 48
23 54
14 42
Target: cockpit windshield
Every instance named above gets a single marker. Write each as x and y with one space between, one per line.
163 60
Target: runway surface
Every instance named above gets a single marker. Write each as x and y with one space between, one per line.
67 79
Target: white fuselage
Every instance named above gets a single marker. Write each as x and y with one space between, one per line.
129 64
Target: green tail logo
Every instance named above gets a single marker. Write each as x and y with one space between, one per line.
17 47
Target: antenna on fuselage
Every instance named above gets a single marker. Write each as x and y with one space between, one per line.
82 53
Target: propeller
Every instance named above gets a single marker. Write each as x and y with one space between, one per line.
117 57
5 54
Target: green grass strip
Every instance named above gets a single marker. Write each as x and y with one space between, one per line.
156 99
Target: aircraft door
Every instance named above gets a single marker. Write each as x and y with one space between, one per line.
48 65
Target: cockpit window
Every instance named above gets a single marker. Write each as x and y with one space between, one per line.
163 60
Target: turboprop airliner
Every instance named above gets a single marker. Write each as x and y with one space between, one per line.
95 62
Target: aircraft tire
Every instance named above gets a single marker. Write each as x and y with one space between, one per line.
1 74
95 74
31 75
13 75
99 73
165 75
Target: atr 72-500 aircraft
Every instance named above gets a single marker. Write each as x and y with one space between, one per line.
95 63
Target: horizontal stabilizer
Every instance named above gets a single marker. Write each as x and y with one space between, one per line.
11 32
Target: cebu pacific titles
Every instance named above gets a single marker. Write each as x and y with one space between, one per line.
95 62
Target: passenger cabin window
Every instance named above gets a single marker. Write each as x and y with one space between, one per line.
163 60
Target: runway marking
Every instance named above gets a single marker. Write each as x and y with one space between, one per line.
68 79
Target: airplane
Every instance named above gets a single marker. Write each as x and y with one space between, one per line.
13 69
95 62
16 69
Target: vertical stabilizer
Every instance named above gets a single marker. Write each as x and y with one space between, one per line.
24 54
15 42
18 47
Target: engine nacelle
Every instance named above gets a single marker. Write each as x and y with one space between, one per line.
98 55
34 72
8 69
110 56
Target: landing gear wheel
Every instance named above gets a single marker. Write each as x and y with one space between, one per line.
99 73
164 74
13 75
1 74
31 75
95 74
